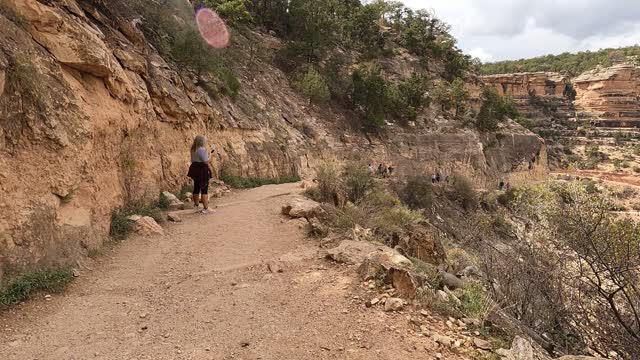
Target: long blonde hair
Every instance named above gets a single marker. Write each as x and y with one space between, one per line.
198 142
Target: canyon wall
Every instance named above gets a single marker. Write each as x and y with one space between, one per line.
92 117
610 97
538 95
605 97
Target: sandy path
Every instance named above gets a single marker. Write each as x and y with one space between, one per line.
203 291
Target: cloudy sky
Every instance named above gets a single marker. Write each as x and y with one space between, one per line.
512 29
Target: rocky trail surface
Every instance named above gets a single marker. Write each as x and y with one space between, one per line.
243 283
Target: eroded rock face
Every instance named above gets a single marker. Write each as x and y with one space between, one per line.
537 94
610 96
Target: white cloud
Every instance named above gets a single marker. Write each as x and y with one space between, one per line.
512 29
481 54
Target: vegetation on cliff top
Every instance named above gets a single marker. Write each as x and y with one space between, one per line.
572 64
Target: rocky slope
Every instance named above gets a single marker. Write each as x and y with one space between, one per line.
92 117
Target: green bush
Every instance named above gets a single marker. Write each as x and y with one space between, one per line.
182 195
27 285
357 181
231 10
369 93
463 192
163 201
329 182
526 123
494 109
417 193
313 86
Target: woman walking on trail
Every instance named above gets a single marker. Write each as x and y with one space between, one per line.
200 172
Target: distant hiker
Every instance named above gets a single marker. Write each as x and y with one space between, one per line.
380 170
530 165
200 172
438 177
501 185
385 171
508 186
433 178
371 169
391 168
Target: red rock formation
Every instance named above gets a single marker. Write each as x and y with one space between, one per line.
610 97
538 95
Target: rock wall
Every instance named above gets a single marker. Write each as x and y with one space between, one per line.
538 95
92 117
609 97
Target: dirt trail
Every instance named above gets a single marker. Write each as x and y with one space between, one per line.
203 291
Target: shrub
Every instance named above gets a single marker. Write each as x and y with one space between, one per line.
230 84
476 303
231 10
526 123
182 195
369 93
418 192
494 109
506 199
357 181
28 284
163 201
329 182
313 86
464 192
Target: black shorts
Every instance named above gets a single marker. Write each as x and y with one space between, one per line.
200 188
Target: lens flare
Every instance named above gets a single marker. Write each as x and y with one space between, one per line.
212 28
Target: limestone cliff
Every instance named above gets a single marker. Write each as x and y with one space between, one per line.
91 117
610 96
606 97
537 95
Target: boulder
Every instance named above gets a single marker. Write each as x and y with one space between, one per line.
395 269
353 252
421 241
521 349
302 208
146 225
451 281
170 196
393 304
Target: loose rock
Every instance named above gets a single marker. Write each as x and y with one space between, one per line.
393 304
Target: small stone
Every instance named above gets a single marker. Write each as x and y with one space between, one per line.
207 349
174 217
450 324
424 313
442 339
393 304
143 315
438 356
374 301
47 297
144 327
275 267
75 272
482 344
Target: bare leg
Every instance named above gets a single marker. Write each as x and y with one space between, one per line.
196 200
205 201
